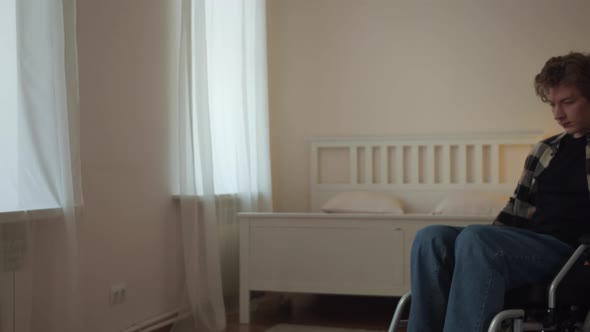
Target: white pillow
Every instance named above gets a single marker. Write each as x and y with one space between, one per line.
363 202
471 203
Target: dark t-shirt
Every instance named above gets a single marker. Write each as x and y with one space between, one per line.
562 199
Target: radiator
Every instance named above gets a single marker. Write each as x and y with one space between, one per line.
13 250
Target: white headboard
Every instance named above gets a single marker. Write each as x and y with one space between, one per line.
418 169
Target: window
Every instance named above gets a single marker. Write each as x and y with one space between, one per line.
229 71
225 54
8 107
29 123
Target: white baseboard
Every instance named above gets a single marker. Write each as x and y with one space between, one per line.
159 321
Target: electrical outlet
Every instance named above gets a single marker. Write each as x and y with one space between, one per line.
118 293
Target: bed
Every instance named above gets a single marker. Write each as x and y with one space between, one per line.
362 248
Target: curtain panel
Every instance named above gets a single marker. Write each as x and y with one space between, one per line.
48 159
224 146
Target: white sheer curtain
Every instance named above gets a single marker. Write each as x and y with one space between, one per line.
224 145
48 173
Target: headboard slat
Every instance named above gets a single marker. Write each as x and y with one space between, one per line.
446 164
430 163
383 164
368 164
353 162
495 163
478 160
415 165
399 165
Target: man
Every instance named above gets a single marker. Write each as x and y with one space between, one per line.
459 275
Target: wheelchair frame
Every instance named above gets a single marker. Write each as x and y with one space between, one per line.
550 322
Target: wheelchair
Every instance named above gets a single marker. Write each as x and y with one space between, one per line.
561 306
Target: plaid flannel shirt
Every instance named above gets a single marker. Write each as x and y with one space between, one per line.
521 206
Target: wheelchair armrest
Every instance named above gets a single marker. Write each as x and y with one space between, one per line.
578 253
585 239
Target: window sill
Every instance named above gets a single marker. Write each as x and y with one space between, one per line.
31 215
178 198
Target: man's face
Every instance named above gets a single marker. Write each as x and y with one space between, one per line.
570 109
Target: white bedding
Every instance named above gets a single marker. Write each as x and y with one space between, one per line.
462 203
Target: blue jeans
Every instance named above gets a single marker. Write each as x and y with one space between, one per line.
459 275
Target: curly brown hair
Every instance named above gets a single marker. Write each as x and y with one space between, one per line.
572 69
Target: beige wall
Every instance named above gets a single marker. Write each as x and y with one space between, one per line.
127 63
337 67
387 67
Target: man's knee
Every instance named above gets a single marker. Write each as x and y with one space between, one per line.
474 238
436 235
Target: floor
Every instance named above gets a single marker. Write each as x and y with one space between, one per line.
372 313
